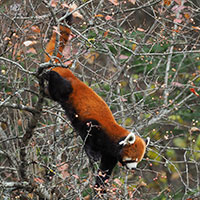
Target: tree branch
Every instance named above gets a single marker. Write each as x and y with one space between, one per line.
29 131
20 107
38 189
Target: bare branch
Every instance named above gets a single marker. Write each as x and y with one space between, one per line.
20 107
17 64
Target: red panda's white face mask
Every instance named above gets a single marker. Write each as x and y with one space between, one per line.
133 150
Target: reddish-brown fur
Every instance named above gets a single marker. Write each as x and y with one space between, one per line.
139 149
87 103
89 106
63 39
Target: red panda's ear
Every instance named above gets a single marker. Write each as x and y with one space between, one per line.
130 139
147 141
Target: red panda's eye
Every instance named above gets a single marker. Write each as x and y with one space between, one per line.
130 139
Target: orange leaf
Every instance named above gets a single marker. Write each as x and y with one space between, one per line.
167 2
91 56
54 3
35 29
15 48
106 33
38 180
72 7
99 15
196 28
177 20
140 29
187 16
134 47
19 122
87 197
30 195
132 1
175 30
31 50
115 2
68 63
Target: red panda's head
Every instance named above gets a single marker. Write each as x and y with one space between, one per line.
133 150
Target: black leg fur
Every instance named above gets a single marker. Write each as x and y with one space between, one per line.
106 167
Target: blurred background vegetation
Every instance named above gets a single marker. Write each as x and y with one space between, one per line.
142 57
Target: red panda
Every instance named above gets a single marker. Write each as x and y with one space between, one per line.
104 139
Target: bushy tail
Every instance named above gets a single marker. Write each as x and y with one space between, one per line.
63 39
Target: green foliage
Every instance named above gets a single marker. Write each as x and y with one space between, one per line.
178 195
154 155
180 142
198 142
170 153
162 196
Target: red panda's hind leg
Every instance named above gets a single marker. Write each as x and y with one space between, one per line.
59 88
106 167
